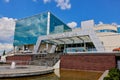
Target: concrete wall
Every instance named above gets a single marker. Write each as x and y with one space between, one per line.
105 26
31 47
109 40
97 62
43 47
19 59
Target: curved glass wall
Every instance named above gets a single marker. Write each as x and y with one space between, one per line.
106 30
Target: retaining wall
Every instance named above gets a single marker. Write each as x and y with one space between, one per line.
97 62
19 59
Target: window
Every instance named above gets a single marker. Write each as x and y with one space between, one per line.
106 30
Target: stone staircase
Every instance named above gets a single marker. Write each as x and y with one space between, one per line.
49 59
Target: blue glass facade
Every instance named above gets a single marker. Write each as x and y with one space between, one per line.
118 29
57 26
27 30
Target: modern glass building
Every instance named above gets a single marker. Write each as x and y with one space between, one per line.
88 38
46 33
27 30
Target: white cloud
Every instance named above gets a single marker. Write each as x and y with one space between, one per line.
118 26
34 0
5 46
115 24
46 1
100 22
7 1
7 26
72 24
63 4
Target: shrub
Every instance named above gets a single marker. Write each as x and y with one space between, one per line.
114 74
107 78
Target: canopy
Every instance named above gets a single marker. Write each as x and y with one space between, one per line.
69 40
116 49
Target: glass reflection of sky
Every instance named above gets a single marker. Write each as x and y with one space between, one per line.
28 29
55 22
118 29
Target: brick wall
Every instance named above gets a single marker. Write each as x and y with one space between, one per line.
97 62
19 59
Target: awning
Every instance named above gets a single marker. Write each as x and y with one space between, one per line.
69 40
116 49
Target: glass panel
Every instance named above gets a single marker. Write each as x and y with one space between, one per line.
118 29
28 29
59 29
55 22
75 49
106 30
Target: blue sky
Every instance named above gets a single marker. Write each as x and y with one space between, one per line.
69 11
107 11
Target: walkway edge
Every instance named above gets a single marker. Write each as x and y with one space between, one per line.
104 75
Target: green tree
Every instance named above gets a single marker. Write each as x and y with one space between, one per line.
3 52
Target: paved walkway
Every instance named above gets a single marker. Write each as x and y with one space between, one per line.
27 70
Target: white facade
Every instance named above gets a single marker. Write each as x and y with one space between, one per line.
103 36
75 36
106 33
